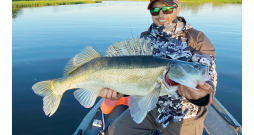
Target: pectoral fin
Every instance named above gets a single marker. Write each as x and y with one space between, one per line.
139 106
136 113
139 115
148 102
86 97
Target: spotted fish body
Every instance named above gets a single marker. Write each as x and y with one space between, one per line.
128 68
127 75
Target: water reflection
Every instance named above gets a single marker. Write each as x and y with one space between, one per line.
194 7
16 12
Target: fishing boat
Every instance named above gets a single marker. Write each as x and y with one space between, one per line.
218 120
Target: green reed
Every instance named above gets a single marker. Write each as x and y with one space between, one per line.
213 1
197 1
39 3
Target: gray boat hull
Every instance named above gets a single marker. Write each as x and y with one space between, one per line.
218 120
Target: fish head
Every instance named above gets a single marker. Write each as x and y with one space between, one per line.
187 73
202 72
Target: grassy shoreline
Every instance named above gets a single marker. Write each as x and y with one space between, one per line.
214 1
197 1
39 3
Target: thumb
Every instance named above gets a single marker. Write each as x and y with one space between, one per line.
203 85
201 82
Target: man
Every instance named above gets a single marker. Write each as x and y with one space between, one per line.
174 38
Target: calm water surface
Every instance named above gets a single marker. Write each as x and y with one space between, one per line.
45 38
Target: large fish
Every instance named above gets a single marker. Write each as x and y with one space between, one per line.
128 68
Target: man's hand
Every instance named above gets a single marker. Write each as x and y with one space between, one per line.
192 94
110 94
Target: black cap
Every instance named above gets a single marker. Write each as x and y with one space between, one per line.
167 2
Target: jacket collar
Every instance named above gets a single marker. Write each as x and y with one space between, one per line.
173 28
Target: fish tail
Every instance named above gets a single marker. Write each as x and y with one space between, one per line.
51 98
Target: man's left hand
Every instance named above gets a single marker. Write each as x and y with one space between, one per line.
193 94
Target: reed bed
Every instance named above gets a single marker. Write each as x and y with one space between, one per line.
197 1
40 3
214 1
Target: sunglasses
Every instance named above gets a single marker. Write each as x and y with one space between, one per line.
165 10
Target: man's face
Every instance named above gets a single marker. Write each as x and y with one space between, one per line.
162 18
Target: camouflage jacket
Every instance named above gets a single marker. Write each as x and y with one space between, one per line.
178 40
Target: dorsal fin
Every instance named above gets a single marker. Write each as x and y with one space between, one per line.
130 47
81 58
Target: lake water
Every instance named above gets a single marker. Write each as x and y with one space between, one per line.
45 38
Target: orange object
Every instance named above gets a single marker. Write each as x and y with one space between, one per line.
211 98
107 105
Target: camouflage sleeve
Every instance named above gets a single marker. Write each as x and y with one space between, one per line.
210 62
204 53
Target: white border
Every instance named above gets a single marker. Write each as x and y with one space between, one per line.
6 67
247 64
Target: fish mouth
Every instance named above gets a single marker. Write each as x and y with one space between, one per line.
168 82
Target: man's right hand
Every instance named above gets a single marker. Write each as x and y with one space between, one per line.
110 94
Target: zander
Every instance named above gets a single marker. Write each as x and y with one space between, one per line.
128 68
